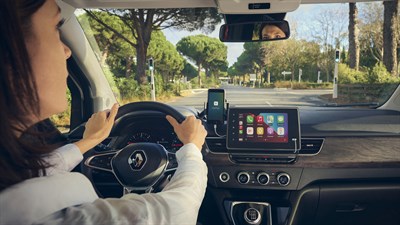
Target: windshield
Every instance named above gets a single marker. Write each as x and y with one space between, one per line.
180 49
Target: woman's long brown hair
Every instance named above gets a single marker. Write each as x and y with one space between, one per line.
21 157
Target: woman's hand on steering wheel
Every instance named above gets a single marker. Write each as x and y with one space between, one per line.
191 130
97 129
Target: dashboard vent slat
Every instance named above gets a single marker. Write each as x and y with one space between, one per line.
217 144
311 146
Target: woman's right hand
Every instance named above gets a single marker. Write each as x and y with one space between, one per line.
97 129
191 130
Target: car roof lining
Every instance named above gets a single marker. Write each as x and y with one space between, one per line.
149 4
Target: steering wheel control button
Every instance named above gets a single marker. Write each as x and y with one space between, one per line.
243 177
283 179
263 178
224 177
172 163
252 216
101 161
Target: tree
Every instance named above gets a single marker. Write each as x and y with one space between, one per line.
390 35
276 57
241 67
215 67
371 38
168 62
234 71
115 52
189 70
354 45
255 55
271 59
329 29
344 56
252 60
308 59
141 23
202 50
290 55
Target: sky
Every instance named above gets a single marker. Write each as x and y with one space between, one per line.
300 18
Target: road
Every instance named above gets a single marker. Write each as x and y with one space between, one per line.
246 96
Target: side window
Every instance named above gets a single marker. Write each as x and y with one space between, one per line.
63 120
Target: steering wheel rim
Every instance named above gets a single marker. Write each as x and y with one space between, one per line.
120 162
149 105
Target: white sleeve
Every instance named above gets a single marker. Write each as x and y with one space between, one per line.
63 159
178 203
33 199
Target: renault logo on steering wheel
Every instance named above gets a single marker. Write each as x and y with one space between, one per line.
137 160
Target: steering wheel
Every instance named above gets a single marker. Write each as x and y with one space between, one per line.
138 166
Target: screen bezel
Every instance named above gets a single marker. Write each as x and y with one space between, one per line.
233 145
210 91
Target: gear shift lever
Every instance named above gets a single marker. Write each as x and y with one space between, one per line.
251 213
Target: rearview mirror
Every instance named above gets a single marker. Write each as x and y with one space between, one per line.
255 31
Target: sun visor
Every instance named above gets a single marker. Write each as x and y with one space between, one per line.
257 6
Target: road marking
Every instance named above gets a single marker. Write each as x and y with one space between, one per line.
268 103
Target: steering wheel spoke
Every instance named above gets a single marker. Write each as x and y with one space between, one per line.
101 161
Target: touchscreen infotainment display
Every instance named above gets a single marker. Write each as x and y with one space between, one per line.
263 129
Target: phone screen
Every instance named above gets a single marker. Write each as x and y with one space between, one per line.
215 105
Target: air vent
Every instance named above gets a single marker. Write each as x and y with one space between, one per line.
311 146
262 159
217 145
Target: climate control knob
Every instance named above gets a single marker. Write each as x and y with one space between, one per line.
283 179
263 178
243 177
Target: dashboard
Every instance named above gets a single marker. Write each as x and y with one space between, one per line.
349 162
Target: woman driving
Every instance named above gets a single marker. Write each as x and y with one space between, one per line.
33 87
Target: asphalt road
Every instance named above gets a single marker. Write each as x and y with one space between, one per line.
246 96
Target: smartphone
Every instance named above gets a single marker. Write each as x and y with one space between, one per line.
216 105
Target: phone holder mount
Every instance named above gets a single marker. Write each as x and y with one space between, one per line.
222 125
204 112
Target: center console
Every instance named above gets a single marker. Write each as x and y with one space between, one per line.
256 137
255 151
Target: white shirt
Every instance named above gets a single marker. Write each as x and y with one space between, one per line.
63 159
69 198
